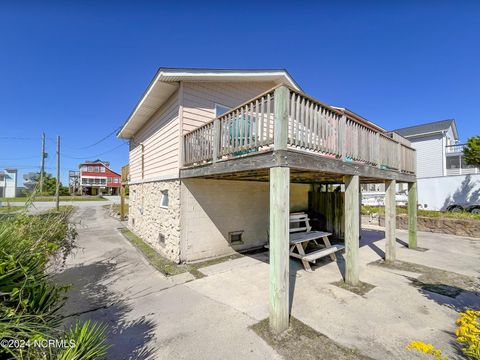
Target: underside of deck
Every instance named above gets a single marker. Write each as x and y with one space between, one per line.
304 168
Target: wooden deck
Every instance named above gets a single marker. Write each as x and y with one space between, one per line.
313 138
284 136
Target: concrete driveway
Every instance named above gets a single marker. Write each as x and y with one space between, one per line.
150 316
153 317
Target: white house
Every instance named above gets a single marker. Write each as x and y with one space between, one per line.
438 150
8 183
443 177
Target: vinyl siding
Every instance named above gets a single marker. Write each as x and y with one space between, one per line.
199 99
160 135
160 138
430 154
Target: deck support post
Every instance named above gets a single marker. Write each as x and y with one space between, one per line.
280 220
412 215
390 220
352 220
279 248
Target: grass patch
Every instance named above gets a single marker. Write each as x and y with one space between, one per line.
168 267
302 342
52 198
367 210
165 266
9 209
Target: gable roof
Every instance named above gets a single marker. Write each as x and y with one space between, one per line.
429 128
166 82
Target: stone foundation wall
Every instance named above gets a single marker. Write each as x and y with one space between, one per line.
158 226
459 227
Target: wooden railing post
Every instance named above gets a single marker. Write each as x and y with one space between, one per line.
412 215
216 139
281 99
379 148
342 148
399 156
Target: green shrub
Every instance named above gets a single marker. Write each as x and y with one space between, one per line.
29 298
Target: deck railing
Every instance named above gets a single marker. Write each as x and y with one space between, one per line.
312 126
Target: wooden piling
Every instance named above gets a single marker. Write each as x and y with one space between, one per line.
352 219
412 215
390 220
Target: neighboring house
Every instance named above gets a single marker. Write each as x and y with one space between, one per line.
443 177
8 183
438 150
97 178
192 200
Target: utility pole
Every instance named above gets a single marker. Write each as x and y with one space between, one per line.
42 164
57 190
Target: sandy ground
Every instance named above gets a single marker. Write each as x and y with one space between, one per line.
153 317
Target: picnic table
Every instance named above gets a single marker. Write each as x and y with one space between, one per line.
301 234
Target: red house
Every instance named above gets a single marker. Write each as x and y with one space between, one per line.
97 178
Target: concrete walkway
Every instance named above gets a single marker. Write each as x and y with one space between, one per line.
152 317
149 316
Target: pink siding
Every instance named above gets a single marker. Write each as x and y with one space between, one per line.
161 146
160 135
199 99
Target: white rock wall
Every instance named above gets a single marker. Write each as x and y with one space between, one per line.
148 219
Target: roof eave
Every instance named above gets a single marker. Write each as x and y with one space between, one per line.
123 133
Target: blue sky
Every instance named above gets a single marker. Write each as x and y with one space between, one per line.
76 69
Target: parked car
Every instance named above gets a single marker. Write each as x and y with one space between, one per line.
468 207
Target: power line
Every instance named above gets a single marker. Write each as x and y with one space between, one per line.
93 144
94 156
17 138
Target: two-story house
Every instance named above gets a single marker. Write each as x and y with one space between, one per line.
97 178
438 150
213 151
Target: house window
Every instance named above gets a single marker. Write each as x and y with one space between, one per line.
164 199
115 180
453 162
90 168
97 169
220 110
102 169
109 179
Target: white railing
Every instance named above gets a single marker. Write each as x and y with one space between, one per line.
458 148
312 126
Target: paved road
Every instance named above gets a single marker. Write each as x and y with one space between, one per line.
149 316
